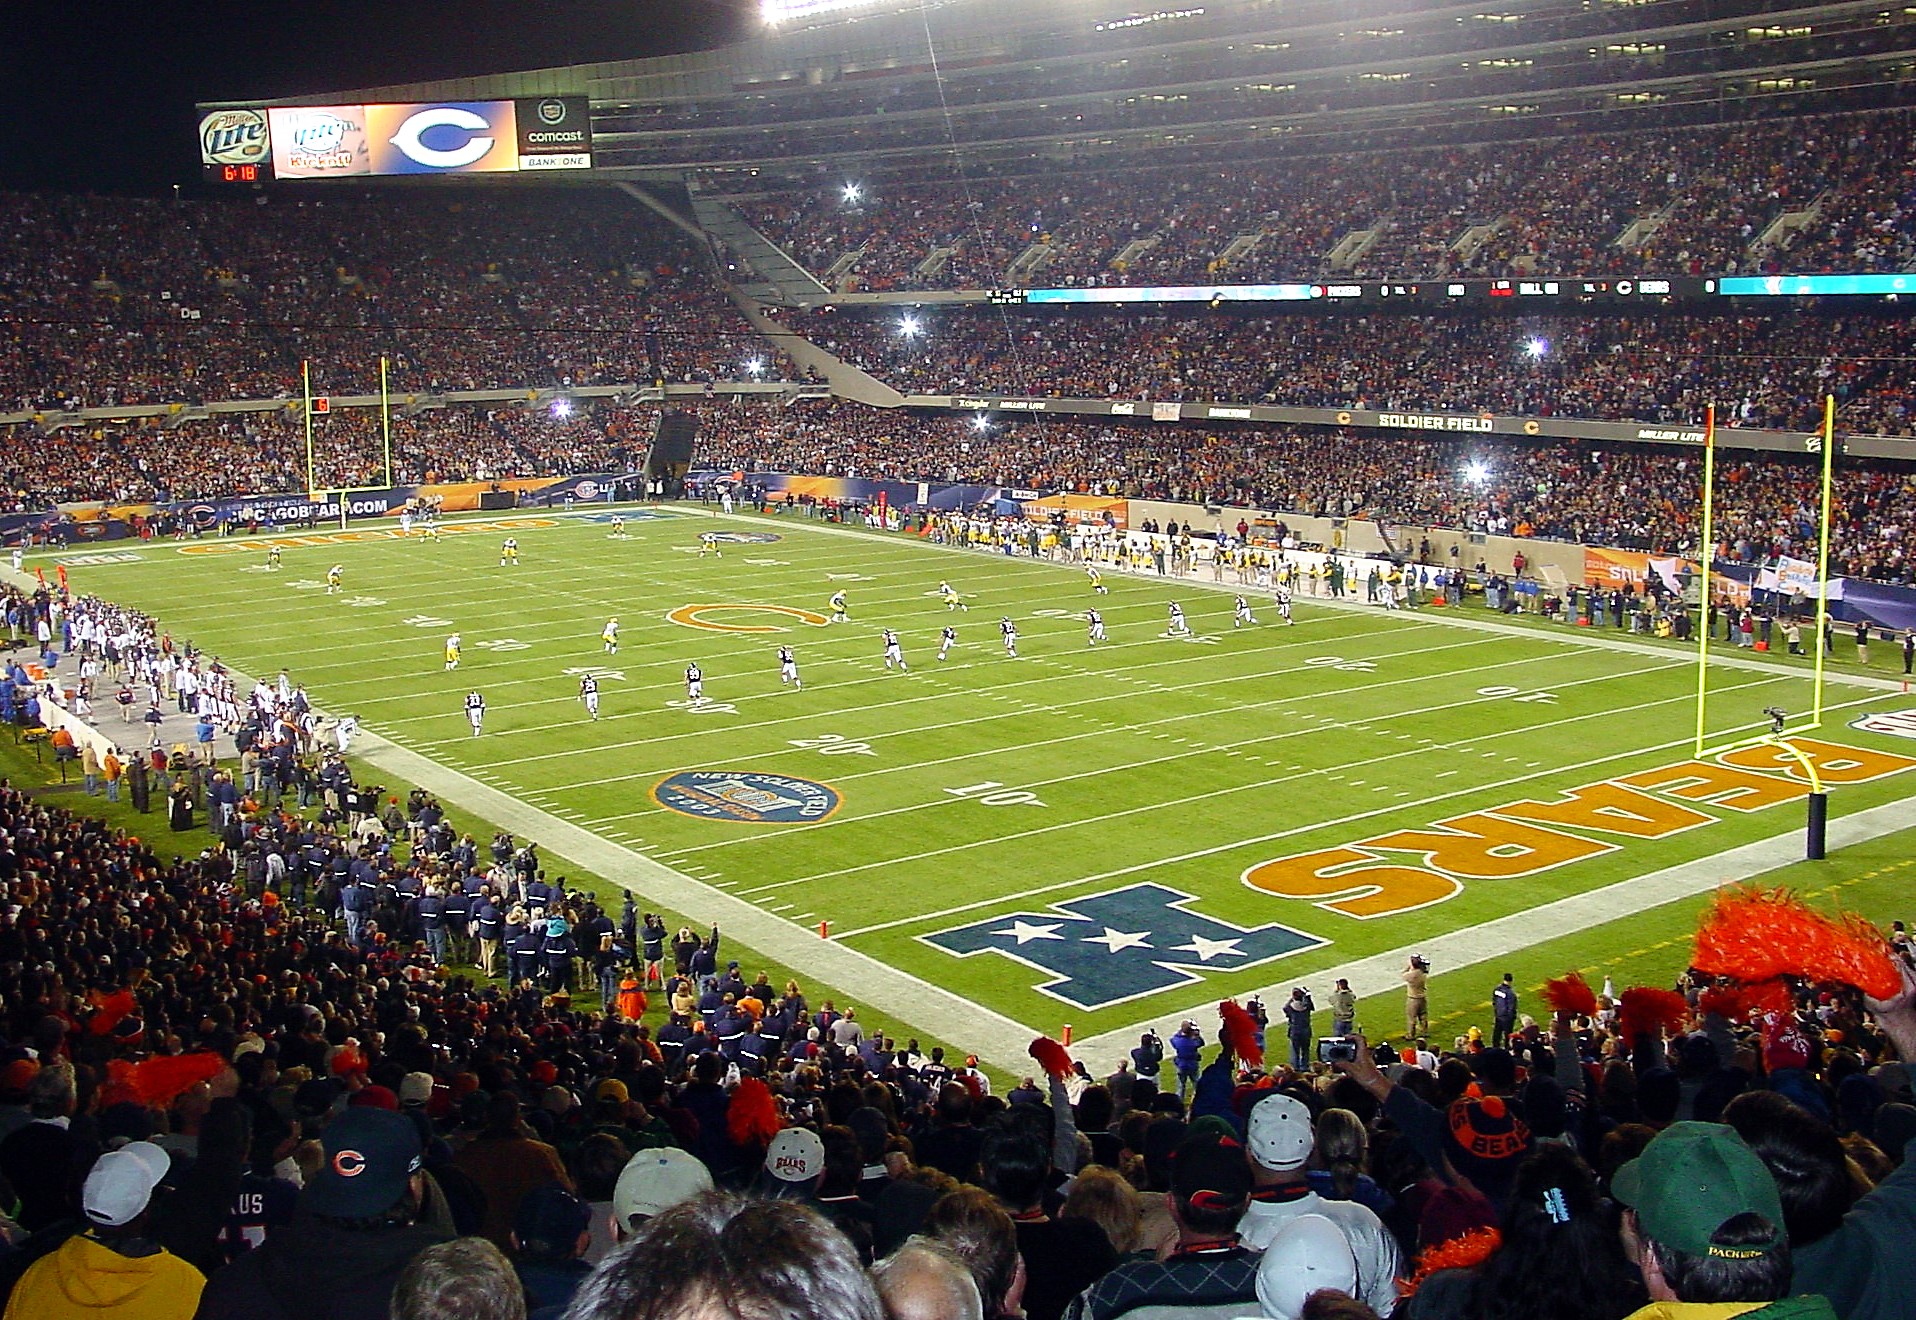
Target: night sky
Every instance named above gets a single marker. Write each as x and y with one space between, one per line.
99 96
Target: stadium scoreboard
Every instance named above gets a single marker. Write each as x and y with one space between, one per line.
255 144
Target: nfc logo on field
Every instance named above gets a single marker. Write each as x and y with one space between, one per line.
747 797
743 538
1108 948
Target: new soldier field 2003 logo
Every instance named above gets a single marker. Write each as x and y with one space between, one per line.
747 796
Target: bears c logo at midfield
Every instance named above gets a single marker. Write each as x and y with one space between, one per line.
747 796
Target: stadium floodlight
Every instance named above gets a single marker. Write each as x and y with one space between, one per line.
1477 471
909 327
853 194
562 408
1537 346
755 366
783 11
980 422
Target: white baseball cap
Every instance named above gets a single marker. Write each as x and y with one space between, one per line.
653 1181
795 1155
122 1182
1309 1253
1279 1134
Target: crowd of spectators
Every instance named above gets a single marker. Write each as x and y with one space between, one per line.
1760 371
226 1090
1640 497
119 301
1705 198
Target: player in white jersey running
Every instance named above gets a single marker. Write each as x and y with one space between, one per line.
694 684
951 599
893 653
475 711
452 652
788 669
610 635
1094 625
1241 613
1178 628
946 640
1284 603
1009 631
839 613
1097 580
344 730
589 694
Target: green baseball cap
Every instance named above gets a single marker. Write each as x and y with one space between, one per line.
1690 1181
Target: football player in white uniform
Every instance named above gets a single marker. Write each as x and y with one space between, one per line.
1009 631
1097 580
589 694
610 635
475 711
788 669
946 640
839 613
452 652
1241 613
618 525
893 654
709 544
694 683
335 576
509 552
1094 624
951 599
1284 603
1178 628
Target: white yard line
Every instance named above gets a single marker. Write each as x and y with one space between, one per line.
940 1013
1103 769
1310 826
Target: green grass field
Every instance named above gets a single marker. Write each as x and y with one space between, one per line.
1065 836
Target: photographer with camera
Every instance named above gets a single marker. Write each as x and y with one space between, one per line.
1297 1024
1416 975
1148 1057
1186 1041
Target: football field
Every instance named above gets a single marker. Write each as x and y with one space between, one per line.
1104 835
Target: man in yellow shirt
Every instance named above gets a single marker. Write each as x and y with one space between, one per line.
113 1269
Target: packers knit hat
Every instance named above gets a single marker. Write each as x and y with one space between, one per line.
1690 1181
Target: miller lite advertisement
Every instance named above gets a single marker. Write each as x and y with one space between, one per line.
235 146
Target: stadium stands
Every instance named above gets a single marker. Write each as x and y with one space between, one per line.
1706 198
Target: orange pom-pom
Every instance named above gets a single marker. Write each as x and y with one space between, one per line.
1465 1252
1570 994
1647 1010
1758 935
1238 1031
1051 1057
109 1010
752 1117
158 1082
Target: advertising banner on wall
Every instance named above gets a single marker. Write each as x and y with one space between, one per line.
444 137
555 133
